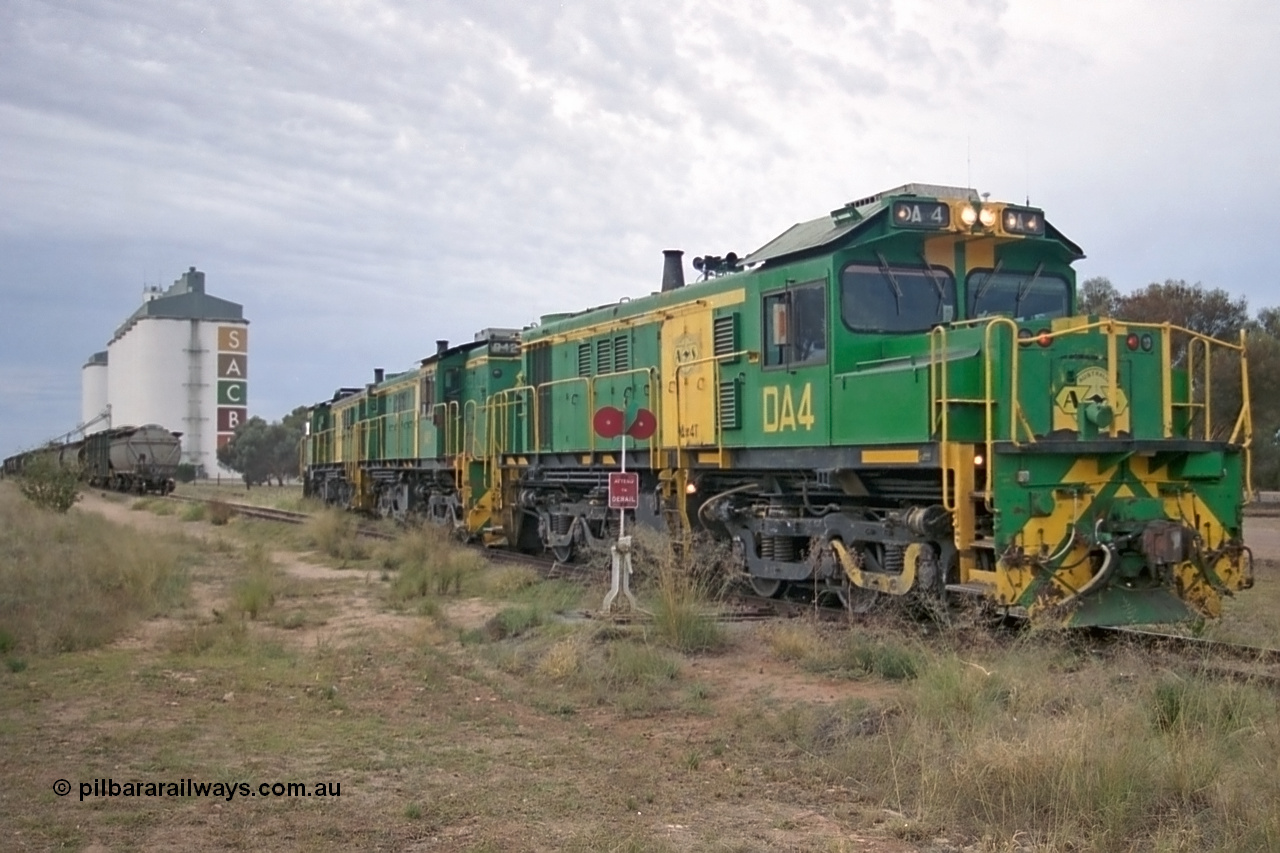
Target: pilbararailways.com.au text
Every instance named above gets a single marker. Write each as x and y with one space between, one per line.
190 788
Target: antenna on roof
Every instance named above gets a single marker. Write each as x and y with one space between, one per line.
1026 169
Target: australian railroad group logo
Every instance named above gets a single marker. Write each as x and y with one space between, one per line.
1091 385
686 348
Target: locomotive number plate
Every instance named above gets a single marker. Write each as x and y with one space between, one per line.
921 214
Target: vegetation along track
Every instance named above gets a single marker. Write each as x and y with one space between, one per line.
1215 657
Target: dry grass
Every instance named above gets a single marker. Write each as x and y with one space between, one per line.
565 733
233 491
334 533
76 582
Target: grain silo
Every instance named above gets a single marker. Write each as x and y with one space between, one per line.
181 361
93 393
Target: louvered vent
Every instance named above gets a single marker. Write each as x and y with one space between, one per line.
621 355
729 404
725 334
584 359
604 356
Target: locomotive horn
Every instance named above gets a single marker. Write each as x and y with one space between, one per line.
672 269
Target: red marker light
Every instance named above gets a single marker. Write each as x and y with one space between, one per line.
1044 338
1131 342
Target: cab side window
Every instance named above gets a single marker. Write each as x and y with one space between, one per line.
795 325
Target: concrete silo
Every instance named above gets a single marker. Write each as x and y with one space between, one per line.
93 393
181 361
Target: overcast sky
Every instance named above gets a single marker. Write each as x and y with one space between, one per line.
367 177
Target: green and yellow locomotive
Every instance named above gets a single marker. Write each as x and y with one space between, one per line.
898 398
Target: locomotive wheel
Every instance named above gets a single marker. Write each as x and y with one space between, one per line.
766 587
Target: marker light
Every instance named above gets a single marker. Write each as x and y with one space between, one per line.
1131 342
1024 337
691 488
968 215
1146 342
1044 338
987 217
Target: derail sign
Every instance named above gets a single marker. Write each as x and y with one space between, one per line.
624 490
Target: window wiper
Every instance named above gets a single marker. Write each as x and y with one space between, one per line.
893 282
985 285
1025 288
933 279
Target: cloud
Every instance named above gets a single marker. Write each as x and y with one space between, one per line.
367 176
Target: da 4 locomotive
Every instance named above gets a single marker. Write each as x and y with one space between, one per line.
897 398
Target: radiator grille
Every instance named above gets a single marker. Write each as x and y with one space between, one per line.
729 404
621 354
725 334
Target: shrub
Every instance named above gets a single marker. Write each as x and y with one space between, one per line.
687 586
430 563
186 473
255 592
49 485
220 513
193 512
334 533
514 621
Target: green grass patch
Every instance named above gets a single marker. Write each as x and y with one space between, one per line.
193 512
854 655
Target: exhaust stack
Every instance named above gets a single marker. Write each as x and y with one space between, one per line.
672 269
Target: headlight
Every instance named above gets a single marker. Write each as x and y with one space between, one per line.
968 215
987 217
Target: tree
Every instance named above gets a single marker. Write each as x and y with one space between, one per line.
1191 306
1099 296
259 451
249 451
292 428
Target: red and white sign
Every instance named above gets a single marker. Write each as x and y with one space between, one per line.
624 490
